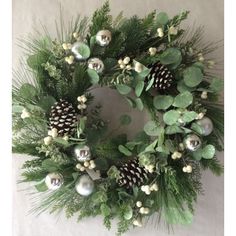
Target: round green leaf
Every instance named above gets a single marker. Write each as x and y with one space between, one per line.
139 104
152 129
123 89
93 75
183 100
105 210
189 116
173 129
208 151
192 76
182 87
162 19
162 102
170 56
27 91
171 117
125 119
216 84
84 50
128 213
46 102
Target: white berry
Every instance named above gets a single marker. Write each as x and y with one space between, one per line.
152 51
176 155
126 60
204 95
137 223
75 35
138 67
25 114
154 187
139 204
47 140
160 32
86 164
189 169
173 30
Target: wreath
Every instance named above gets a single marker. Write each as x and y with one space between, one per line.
82 166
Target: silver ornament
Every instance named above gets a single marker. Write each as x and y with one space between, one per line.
82 154
54 181
192 142
80 50
103 37
96 64
206 124
85 185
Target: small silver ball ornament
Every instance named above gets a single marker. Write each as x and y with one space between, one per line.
78 49
103 37
206 124
192 142
82 154
96 64
84 186
54 181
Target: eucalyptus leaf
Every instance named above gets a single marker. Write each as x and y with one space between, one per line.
124 150
84 50
27 91
162 19
152 129
162 102
128 212
171 117
197 128
139 88
170 56
123 89
189 116
139 104
105 210
183 100
150 83
36 61
93 75
46 103
182 87
125 119
192 76
173 129
41 187
217 84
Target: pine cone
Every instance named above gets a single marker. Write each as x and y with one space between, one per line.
132 174
163 78
63 117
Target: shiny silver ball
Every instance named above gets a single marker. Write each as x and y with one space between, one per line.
192 142
85 185
96 64
206 124
54 181
82 154
103 37
80 50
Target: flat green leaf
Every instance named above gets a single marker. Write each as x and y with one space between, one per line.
197 154
124 150
170 56
171 117
139 88
197 128
183 100
217 84
139 104
93 75
192 76
144 72
125 119
162 102
36 61
199 65
123 89
162 19
182 87
128 212
173 129
150 83
46 103
42 187
189 116
27 91
152 129
208 151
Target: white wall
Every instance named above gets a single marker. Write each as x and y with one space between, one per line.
208 219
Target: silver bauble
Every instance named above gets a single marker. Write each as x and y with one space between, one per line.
96 64
103 37
192 142
82 153
206 125
54 181
78 48
85 185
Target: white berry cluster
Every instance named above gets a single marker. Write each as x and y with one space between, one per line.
173 30
200 57
187 169
142 210
152 51
124 64
53 133
76 35
66 46
200 116
204 95
87 164
148 189
160 32
82 100
25 114
69 59
176 155
150 168
138 222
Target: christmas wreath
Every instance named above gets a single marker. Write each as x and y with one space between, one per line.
76 163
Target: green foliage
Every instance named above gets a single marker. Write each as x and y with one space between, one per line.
162 102
125 120
192 76
183 100
152 129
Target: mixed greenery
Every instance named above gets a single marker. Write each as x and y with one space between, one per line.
48 77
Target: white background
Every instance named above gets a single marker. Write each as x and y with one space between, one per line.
209 211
